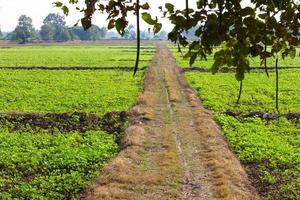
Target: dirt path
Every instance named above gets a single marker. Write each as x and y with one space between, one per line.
173 149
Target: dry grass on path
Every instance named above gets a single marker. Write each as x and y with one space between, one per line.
173 149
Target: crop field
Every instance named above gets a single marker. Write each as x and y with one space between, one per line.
63 112
53 139
254 62
268 148
40 165
74 56
67 91
258 91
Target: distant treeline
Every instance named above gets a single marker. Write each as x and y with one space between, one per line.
54 29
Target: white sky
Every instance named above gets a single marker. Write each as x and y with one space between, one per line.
10 10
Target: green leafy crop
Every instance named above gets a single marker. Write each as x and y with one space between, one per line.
259 92
67 91
73 56
58 166
269 150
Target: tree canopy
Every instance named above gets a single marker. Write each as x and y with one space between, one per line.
92 34
56 29
47 32
24 30
55 19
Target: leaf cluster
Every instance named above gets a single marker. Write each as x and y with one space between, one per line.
236 32
117 13
239 31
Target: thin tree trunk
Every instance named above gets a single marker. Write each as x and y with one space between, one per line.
266 67
138 37
240 93
179 49
187 10
277 85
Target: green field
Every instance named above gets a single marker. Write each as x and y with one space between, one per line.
268 149
254 62
73 56
258 91
41 163
44 166
68 91
49 163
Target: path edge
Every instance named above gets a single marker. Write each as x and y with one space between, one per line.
106 185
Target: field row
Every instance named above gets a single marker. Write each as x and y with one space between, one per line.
68 91
258 91
68 56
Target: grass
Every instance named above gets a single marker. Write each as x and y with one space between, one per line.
254 62
44 166
68 91
73 56
269 150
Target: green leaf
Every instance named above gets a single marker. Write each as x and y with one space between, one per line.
247 11
263 15
217 64
170 7
146 6
240 73
86 23
120 26
201 3
157 27
111 24
147 18
101 7
249 22
65 10
73 1
58 4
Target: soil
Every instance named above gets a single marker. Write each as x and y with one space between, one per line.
112 123
172 149
124 68
231 70
264 115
